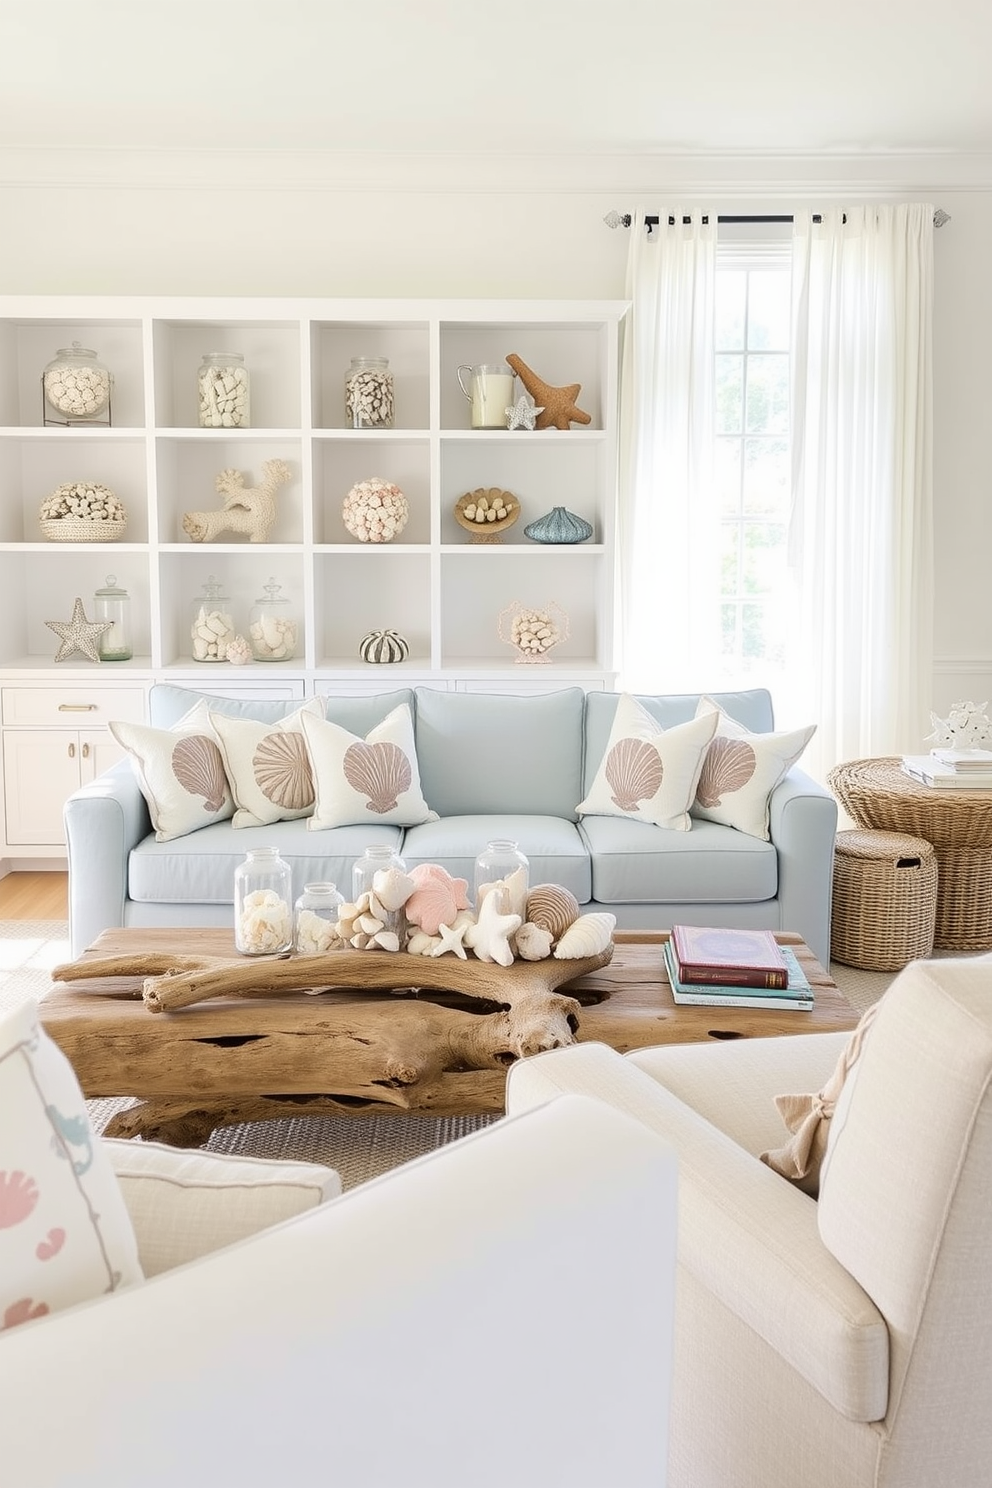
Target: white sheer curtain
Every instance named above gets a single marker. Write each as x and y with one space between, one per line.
668 570
861 528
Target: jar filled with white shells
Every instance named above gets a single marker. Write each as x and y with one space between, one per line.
76 387
272 626
223 391
368 394
263 903
212 628
316 915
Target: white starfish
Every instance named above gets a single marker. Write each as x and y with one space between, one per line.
79 634
489 937
523 415
452 938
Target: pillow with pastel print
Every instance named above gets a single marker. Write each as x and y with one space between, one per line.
267 765
742 769
180 772
375 779
65 1234
648 773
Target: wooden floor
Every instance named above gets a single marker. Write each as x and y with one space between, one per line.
34 896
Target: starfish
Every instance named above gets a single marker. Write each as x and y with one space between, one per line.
79 634
452 937
558 403
522 415
489 937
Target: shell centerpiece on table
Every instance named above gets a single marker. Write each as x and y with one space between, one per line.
533 633
487 512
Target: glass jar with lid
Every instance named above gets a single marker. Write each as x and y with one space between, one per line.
212 629
76 387
502 868
272 627
316 914
368 394
379 858
224 391
263 898
114 604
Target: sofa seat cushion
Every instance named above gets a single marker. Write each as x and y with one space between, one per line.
553 847
637 863
200 869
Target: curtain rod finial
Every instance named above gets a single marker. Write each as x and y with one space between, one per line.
617 219
940 217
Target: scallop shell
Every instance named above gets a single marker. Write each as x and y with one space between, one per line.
552 908
437 897
559 526
199 769
379 772
728 766
634 770
282 771
590 934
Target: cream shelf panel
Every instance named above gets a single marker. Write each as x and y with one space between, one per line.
386 590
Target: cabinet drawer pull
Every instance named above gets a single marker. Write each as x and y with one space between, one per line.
77 707
72 751
86 751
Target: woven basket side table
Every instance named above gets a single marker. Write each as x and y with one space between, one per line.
884 901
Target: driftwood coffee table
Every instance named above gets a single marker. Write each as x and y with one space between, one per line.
264 1054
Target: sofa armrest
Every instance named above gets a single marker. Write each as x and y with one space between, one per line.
803 826
745 1234
103 821
186 1204
443 1324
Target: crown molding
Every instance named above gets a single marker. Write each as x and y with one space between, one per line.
693 175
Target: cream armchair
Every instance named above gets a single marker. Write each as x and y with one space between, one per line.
845 1342
497 1312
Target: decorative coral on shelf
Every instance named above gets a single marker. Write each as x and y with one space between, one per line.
250 509
965 727
558 406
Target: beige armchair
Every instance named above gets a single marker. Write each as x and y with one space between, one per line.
845 1342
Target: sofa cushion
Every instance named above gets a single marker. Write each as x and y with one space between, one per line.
65 1235
268 765
371 779
553 847
637 863
485 754
648 773
742 768
180 771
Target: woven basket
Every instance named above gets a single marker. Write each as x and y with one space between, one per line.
884 900
83 529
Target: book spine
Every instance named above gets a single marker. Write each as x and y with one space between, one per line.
732 976
711 999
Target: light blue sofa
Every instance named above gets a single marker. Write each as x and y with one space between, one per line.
490 766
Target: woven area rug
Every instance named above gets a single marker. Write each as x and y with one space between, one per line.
359 1147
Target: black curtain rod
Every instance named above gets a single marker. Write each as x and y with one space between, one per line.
624 219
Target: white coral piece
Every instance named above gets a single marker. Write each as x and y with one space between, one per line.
590 934
532 942
238 651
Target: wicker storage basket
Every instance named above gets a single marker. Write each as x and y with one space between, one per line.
83 529
885 900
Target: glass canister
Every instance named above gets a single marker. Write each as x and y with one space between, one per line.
212 630
375 860
263 899
224 391
316 914
114 604
272 627
76 387
504 866
368 394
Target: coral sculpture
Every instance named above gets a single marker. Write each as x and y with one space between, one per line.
558 406
250 509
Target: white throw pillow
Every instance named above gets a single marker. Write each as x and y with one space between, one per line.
267 765
65 1234
742 769
374 779
649 773
180 772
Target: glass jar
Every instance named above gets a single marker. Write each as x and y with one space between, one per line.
315 917
375 860
76 387
114 604
224 391
368 394
504 866
263 898
212 630
272 626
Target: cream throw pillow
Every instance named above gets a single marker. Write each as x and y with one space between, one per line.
649 773
742 769
180 772
375 779
65 1235
267 765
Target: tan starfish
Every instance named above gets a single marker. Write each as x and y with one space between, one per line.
558 407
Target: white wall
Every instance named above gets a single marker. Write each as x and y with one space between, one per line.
529 227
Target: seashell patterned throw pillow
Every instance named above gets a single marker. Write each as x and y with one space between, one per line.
179 771
648 773
742 769
375 779
268 765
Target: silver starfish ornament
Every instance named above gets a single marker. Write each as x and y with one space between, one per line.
522 415
79 634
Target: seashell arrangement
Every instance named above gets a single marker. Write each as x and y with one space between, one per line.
486 512
590 934
559 526
380 772
383 647
375 510
368 394
533 632
78 391
266 923
90 512
634 771
223 388
728 766
212 633
273 638
315 935
197 765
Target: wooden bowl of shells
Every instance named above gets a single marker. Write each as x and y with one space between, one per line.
487 512
82 511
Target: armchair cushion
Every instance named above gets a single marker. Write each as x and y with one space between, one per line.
65 1235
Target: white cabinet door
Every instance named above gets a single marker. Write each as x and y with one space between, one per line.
41 768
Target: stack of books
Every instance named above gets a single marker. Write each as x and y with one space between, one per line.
952 769
715 967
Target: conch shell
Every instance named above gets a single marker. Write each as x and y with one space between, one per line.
590 934
553 908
